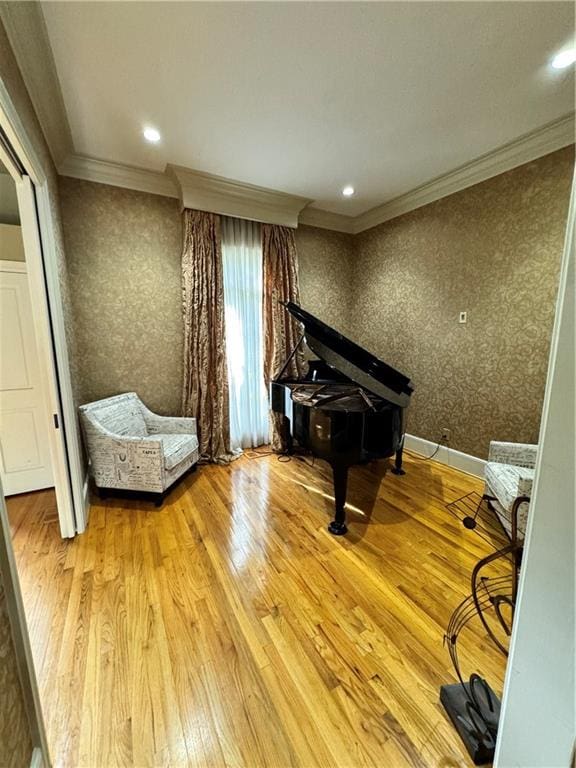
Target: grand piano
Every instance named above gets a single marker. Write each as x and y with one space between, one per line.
347 409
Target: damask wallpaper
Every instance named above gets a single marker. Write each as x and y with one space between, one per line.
325 260
494 251
15 738
123 249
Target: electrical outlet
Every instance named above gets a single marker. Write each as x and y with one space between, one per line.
445 435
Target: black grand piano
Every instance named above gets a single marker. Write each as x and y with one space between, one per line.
348 408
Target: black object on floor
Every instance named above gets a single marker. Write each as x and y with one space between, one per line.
474 710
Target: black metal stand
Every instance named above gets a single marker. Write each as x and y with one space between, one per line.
473 706
477 514
474 710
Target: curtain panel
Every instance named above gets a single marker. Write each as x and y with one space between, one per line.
281 332
205 387
242 269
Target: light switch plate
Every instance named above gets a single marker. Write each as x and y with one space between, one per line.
463 317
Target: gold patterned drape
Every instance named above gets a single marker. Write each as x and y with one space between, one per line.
205 388
281 332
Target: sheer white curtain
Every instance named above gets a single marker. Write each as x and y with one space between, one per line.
242 272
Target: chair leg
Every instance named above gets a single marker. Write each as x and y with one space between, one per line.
518 552
489 499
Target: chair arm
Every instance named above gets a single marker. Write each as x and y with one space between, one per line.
115 456
517 454
169 425
524 485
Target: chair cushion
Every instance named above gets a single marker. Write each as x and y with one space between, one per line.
176 448
506 482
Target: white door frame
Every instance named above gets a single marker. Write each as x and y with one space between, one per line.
47 368
34 201
76 464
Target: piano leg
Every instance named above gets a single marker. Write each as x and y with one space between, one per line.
338 525
397 468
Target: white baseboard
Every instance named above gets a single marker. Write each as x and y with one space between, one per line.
36 761
472 465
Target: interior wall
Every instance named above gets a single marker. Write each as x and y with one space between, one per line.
9 213
11 244
492 250
123 249
325 264
15 734
539 691
12 80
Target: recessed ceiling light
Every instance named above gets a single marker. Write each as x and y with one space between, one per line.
348 191
564 59
152 135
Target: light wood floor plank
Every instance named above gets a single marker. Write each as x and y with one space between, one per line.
228 628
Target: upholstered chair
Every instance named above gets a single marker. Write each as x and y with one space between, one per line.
509 475
131 448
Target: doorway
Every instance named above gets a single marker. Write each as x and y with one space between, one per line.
40 459
39 443
25 462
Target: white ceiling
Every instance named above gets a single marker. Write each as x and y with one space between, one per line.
308 97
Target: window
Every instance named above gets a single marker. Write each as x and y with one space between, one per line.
242 276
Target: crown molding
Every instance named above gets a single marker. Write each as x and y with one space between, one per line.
206 192
318 217
531 146
26 30
118 175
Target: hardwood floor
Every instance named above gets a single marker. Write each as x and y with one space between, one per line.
229 628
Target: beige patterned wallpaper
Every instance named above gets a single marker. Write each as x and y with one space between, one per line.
325 261
494 251
15 738
123 249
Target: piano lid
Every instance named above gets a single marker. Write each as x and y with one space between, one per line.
352 360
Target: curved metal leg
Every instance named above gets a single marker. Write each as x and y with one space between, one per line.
474 579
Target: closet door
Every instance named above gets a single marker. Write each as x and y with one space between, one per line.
24 442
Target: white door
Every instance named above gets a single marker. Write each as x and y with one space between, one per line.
24 441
